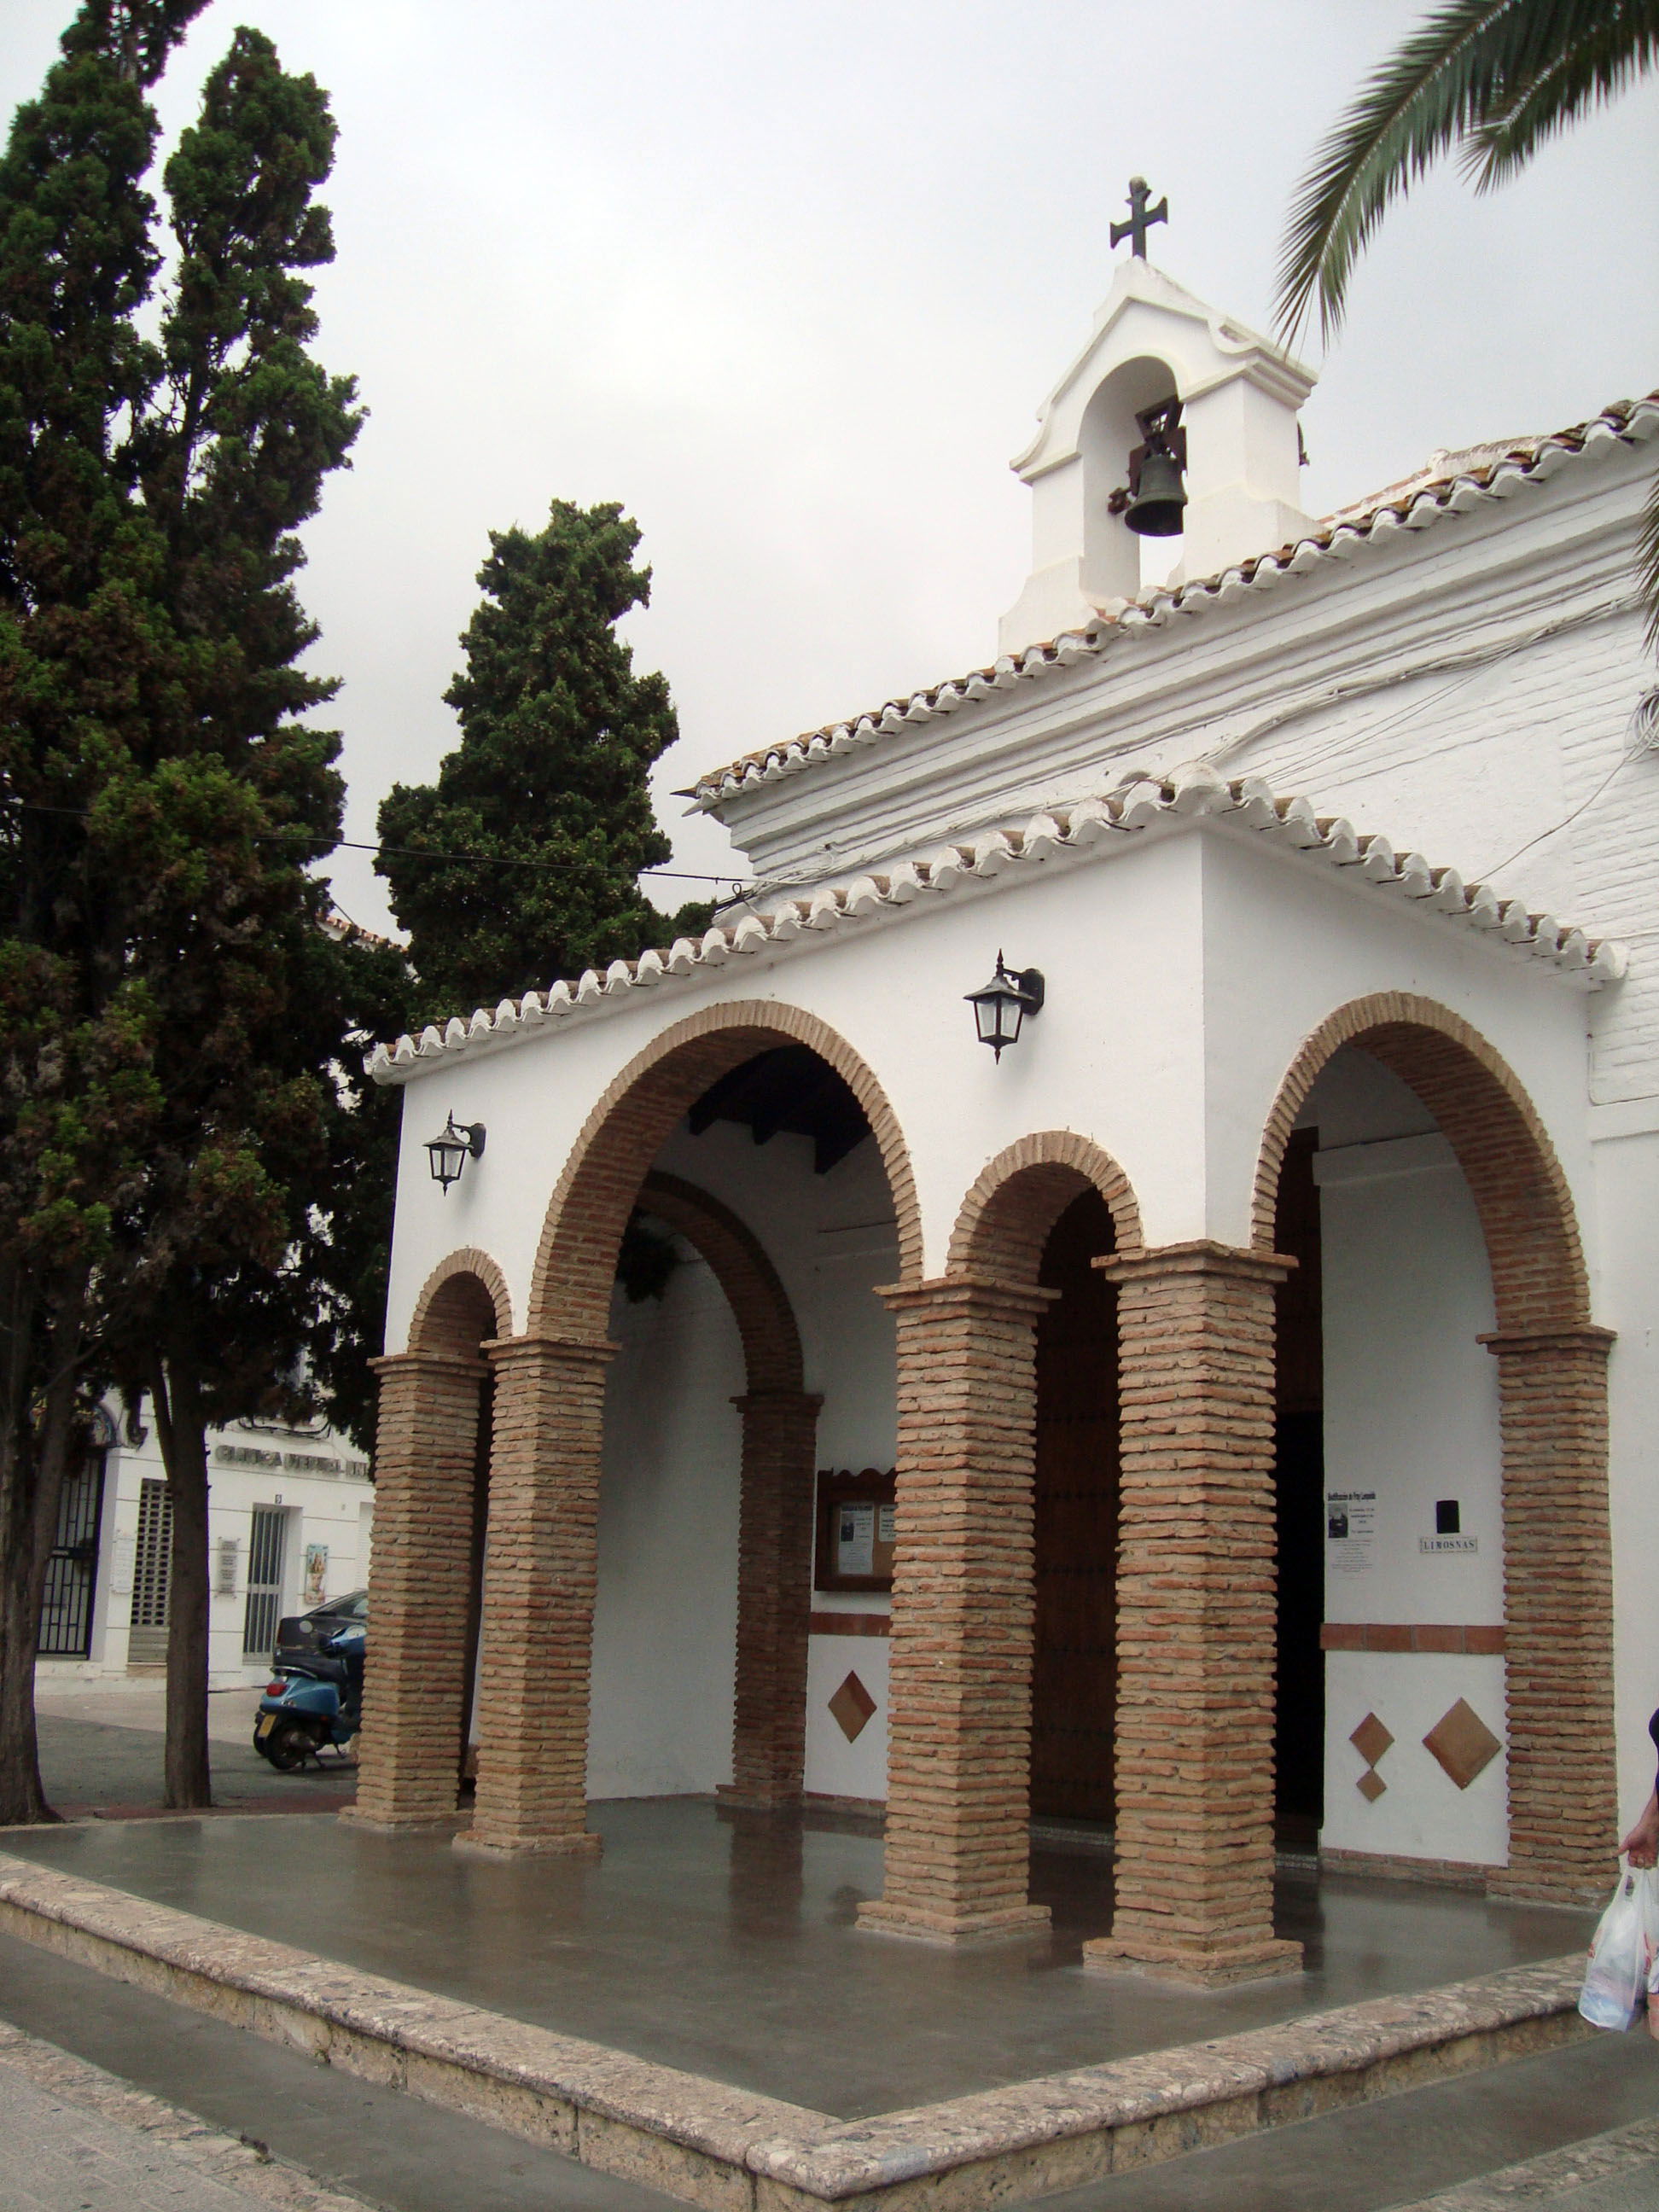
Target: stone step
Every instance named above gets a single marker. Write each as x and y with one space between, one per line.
712 2145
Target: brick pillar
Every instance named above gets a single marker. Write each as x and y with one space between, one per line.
774 1596
415 1688
1196 1619
958 1788
540 1571
1558 1605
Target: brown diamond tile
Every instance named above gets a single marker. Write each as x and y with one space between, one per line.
852 1706
1371 1739
1462 1743
1371 1785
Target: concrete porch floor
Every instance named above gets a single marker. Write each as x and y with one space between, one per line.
723 1943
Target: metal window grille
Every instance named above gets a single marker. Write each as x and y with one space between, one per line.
66 1611
264 1581
152 1574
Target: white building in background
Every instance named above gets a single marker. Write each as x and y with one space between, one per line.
290 1516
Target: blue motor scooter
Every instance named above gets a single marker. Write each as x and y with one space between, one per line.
315 1704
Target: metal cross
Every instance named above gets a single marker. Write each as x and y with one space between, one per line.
1142 218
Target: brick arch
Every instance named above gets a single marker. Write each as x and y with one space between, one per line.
760 1304
600 1186
433 1441
463 1301
1520 1192
1552 1409
1006 1218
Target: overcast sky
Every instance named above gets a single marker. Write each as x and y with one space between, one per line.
788 278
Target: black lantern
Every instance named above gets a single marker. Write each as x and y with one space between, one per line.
1003 1003
450 1152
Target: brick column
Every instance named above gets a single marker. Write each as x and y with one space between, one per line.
1558 1605
540 1571
415 1687
774 1596
1196 1619
959 1789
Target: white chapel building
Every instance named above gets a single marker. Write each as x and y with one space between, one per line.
1224 1417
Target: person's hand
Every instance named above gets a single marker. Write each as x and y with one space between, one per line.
1641 1846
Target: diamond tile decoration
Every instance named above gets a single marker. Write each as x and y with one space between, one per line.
1371 1739
1371 1785
852 1706
1462 1743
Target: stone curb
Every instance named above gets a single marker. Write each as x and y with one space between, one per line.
724 2149
672 2131
1066 2128
233 2160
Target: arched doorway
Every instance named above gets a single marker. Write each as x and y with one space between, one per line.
772 1070
1552 1415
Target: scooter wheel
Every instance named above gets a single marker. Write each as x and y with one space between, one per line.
288 1746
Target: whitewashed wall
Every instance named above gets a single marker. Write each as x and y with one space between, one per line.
1628 1162
1411 1418
666 1611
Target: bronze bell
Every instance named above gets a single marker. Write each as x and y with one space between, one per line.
1157 495
1160 496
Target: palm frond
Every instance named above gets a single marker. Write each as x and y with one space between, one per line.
1647 561
1470 64
1592 70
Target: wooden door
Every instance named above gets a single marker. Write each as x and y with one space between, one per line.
1074 1680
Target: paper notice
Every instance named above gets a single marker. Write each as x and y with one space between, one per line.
855 1539
1351 1531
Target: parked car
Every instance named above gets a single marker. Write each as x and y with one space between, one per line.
299 1635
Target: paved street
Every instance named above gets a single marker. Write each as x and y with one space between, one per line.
100 1751
1615 2173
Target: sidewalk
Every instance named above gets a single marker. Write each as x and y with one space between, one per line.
1615 2172
366 2142
74 2139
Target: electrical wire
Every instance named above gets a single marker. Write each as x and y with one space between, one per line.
1644 718
408 852
1464 666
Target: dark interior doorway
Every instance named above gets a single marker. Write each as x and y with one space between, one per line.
1075 1679
1299 1479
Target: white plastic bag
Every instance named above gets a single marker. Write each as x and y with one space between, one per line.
1623 1952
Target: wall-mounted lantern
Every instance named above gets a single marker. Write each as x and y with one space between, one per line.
1003 1003
450 1152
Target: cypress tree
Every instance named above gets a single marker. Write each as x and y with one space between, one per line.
85 666
167 1122
540 819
